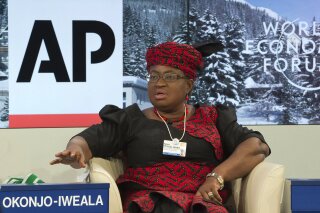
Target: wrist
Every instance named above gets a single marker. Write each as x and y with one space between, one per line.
218 178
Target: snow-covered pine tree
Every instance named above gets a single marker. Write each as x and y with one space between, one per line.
218 78
262 93
136 63
5 112
289 96
310 102
188 31
3 14
254 61
129 32
315 115
235 44
134 48
150 34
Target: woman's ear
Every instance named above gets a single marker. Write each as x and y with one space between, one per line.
190 83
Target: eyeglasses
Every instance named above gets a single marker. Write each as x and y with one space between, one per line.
168 77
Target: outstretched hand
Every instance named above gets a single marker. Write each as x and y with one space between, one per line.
209 191
73 157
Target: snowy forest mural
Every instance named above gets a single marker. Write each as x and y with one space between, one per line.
269 69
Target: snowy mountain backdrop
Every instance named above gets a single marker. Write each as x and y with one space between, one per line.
248 73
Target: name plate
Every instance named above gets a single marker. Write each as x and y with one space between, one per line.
60 198
305 195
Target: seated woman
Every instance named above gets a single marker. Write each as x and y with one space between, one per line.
178 156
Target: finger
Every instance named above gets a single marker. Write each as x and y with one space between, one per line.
211 197
67 160
63 153
82 161
79 158
205 195
59 154
214 201
74 154
62 160
217 195
55 161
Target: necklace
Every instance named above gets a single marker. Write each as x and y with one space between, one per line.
175 140
155 110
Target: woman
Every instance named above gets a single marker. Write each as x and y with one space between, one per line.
178 156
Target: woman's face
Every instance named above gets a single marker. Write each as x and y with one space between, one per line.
168 95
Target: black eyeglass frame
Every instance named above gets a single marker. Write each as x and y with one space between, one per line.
164 78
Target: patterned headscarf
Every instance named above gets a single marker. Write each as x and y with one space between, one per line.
181 56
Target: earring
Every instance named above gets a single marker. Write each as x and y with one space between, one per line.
187 97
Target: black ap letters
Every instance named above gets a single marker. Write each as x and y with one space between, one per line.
43 30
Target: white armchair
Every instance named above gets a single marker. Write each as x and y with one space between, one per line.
259 192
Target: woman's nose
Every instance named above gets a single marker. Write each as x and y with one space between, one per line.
161 81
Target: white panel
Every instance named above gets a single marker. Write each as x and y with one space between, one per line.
43 95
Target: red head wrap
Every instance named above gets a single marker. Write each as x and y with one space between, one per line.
181 56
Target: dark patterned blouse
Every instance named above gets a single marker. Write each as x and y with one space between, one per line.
212 133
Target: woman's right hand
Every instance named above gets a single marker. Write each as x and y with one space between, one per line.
73 155
74 158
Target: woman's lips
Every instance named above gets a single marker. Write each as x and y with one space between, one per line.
160 96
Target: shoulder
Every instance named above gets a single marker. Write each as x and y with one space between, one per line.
225 111
219 111
114 111
149 113
204 108
206 111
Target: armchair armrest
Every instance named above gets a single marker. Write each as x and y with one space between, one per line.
107 171
261 190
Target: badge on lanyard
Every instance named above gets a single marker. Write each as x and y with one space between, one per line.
174 148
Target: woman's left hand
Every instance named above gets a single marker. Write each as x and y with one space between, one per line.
209 191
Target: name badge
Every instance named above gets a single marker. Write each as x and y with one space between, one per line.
174 149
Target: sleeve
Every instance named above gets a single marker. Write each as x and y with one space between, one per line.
232 133
111 135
